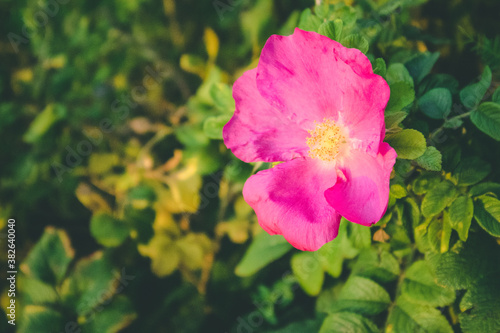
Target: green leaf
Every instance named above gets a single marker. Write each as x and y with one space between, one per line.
332 254
356 41
472 95
472 266
112 317
409 144
487 119
436 103
421 65
363 296
40 319
222 95
37 292
438 198
378 265
420 286
379 67
263 250
407 316
402 95
108 231
471 171
308 271
487 214
92 282
212 127
360 235
461 213
49 259
490 188
308 21
332 29
496 96
397 73
393 119
423 183
43 122
430 160
347 322
481 306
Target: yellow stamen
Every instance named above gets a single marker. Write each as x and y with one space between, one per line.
325 140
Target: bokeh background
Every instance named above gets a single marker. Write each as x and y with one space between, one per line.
128 206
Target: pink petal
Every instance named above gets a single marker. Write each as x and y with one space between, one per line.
257 132
361 193
288 199
310 77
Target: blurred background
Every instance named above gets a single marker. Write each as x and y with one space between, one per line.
128 207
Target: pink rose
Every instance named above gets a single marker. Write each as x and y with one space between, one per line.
318 107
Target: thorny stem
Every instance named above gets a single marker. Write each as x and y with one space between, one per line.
440 129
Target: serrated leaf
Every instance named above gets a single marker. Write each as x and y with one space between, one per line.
409 143
332 254
436 200
40 319
496 96
407 316
91 283
480 308
430 160
422 65
487 119
112 317
49 259
362 295
308 21
378 265
436 103
489 188
308 271
402 95
420 286
332 29
347 322
212 127
380 67
263 250
356 41
487 214
393 119
108 231
423 183
396 73
472 95
460 214
471 171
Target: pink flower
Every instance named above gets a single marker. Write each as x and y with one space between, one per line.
317 106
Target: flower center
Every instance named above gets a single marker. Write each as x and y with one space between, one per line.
326 140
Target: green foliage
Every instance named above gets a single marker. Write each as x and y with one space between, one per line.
472 95
111 115
487 119
409 144
263 250
347 322
436 103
